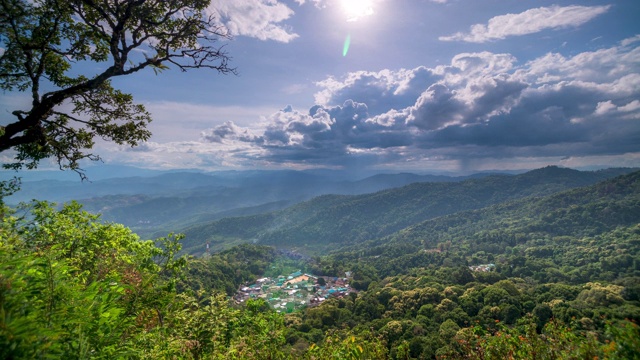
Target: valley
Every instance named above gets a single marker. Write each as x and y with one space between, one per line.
319 180
404 272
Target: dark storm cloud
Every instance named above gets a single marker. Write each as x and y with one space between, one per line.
437 107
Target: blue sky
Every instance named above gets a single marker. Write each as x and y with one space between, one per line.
426 85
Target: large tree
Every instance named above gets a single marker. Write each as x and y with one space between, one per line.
45 45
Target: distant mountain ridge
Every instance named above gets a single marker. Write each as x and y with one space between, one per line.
154 202
336 220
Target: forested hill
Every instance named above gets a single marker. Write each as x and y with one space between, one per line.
567 230
550 275
512 270
557 275
333 220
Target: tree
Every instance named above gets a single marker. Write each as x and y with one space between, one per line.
73 287
462 275
45 44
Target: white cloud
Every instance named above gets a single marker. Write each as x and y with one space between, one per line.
598 66
184 155
318 3
629 41
195 118
228 131
604 107
627 111
255 18
480 106
479 110
632 106
380 90
529 22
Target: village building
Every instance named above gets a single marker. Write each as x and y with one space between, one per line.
293 292
482 268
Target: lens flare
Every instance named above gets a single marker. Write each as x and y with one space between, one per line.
345 48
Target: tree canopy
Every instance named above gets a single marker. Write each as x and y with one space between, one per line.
44 44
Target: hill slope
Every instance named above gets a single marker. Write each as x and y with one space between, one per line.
332 220
570 229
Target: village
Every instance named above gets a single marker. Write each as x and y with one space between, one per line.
482 267
290 293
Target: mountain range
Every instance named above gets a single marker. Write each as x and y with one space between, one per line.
329 221
151 201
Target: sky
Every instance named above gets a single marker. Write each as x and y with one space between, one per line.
454 86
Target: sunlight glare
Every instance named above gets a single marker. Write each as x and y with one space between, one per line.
355 9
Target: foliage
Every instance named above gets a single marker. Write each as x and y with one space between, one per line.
227 270
8 188
557 341
342 345
72 287
42 42
623 341
561 287
210 328
578 267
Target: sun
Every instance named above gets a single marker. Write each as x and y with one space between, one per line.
356 9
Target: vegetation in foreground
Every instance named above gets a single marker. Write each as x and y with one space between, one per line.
565 285
72 287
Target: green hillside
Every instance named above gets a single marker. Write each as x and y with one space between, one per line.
558 228
547 277
158 204
328 221
555 277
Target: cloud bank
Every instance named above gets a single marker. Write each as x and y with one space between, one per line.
481 107
529 22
